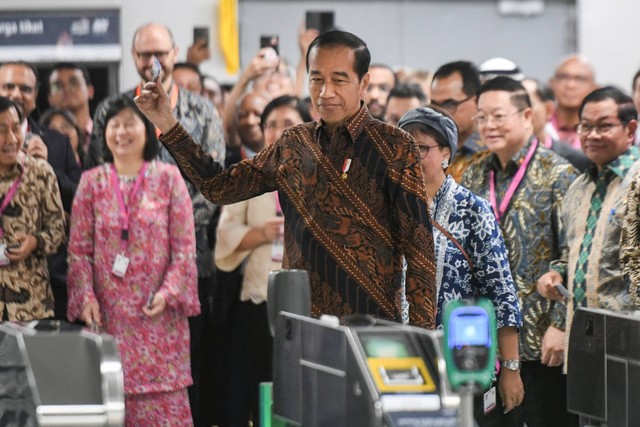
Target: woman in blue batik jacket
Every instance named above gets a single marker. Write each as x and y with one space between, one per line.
471 257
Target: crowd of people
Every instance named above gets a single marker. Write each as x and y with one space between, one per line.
398 192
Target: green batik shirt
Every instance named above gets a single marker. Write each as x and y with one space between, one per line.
600 269
532 230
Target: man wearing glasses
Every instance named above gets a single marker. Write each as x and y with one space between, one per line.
200 118
594 209
454 89
525 184
572 81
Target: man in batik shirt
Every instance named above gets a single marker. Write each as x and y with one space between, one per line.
350 187
525 184
594 208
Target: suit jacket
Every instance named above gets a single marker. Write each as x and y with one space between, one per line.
62 160
68 171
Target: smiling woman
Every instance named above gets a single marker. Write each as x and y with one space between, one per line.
138 289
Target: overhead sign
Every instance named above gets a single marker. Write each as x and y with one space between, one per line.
63 35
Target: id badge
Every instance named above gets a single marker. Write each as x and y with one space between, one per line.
120 265
3 256
490 400
277 250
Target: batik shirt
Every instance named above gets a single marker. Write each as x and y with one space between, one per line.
465 155
471 222
200 119
605 286
349 234
36 209
630 237
532 230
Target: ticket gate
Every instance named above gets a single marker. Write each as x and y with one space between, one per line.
603 375
56 374
364 373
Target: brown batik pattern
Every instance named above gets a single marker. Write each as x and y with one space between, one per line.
349 234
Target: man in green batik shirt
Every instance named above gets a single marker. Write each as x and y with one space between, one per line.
594 208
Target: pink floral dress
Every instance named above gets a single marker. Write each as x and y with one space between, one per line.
161 249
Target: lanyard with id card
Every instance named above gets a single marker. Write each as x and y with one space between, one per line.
121 263
4 261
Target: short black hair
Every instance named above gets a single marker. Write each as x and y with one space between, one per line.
468 72
519 96
6 104
626 108
29 65
285 101
123 102
407 91
192 67
343 38
73 66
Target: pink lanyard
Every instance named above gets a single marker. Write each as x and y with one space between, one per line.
513 186
124 210
278 207
10 195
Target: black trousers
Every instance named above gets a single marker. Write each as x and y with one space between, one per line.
544 404
201 331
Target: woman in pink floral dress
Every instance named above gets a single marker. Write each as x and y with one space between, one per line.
132 267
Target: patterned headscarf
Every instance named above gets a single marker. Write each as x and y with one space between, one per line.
442 125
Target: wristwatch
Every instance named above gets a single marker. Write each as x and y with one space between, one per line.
511 364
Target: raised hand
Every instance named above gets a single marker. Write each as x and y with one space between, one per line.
154 103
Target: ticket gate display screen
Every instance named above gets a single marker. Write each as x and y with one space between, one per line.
395 364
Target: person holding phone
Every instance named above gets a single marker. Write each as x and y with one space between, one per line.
31 227
132 268
596 262
266 75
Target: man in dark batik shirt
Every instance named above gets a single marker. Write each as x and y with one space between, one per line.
525 184
350 186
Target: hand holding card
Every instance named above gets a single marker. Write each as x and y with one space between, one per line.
155 69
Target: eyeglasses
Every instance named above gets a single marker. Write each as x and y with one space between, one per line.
59 85
566 78
424 149
160 54
24 89
451 105
585 129
498 119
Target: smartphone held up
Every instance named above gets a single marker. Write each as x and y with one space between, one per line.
155 69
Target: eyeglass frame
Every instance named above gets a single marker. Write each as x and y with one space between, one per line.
498 119
58 85
455 104
565 78
423 149
598 128
160 54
